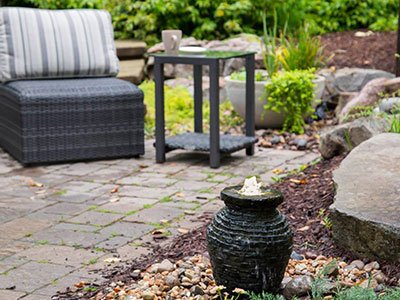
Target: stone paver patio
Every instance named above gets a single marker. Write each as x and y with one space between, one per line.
59 222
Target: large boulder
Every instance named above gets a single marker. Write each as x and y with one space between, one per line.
366 210
343 138
355 79
348 80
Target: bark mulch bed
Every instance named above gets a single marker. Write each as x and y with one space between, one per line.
376 51
308 196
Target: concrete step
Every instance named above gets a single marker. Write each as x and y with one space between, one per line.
129 49
132 70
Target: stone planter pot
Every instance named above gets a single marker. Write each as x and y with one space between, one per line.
249 241
236 93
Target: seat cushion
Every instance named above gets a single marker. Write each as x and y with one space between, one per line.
37 43
71 119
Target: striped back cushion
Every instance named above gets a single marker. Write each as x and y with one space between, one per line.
37 43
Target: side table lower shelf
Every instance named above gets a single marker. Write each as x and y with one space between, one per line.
201 142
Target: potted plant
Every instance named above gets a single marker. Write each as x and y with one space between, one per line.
280 54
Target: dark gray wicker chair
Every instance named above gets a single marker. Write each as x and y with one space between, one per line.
45 117
44 121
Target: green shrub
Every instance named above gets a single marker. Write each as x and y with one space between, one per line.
340 15
64 4
291 93
219 19
179 111
23 3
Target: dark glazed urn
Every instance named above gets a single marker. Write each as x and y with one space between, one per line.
249 241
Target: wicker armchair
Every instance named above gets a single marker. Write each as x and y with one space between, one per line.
52 116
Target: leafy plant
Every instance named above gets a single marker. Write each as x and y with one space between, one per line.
340 15
359 112
291 93
241 76
270 47
395 125
391 294
63 4
301 53
356 293
265 296
179 110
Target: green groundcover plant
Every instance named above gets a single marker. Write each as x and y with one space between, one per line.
179 110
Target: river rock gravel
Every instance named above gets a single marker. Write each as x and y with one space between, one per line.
192 278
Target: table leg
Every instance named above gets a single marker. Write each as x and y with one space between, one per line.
160 121
250 105
214 115
198 98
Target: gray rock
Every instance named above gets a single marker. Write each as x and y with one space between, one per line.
172 280
275 140
135 274
358 264
347 80
296 256
354 79
196 290
365 213
388 105
298 286
343 138
372 266
301 144
165 265
148 296
284 282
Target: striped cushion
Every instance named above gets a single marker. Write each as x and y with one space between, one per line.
38 43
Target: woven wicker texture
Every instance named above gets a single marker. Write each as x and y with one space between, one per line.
71 119
201 142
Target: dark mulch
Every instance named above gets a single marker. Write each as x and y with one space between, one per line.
376 51
308 196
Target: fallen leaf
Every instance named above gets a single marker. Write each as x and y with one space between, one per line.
164 221
278 171
33 183
302 181
143 166
80 284
305 228
183 230
40 192
112 260
115 190
180 195
189 212
114 199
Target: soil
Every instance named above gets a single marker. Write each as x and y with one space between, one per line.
308 196
376 51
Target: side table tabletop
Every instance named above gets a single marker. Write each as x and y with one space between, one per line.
199 141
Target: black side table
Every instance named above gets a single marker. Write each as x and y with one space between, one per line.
198 141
